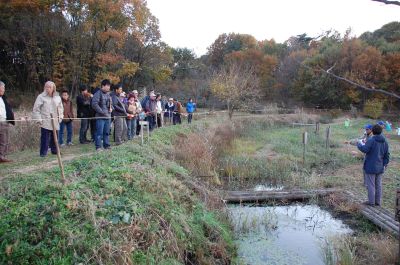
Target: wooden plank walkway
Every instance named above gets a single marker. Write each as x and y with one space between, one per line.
378 215
261 196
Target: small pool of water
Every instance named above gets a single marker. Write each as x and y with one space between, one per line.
293 234
268 188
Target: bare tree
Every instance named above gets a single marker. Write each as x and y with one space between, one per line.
237 85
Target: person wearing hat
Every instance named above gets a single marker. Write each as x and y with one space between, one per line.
150 109
364 138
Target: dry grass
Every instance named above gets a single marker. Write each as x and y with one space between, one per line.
199 152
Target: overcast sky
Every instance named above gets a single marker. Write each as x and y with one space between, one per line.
195 24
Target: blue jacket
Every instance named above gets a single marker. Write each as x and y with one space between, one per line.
377 154
190 107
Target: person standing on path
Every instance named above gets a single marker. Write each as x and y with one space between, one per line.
47 103
377 156
6 118
84 112
67 121
102 105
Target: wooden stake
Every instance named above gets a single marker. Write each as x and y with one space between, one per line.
55 138
304 146
328 136
317 128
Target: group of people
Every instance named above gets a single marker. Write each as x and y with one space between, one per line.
376 149
96 110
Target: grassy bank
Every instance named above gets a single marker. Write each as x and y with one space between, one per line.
129 205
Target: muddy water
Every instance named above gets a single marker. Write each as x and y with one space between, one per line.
293 234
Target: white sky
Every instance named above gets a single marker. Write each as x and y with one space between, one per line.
195 24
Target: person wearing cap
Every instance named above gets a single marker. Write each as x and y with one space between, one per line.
377 156
169 109
364 138
6 119
150 109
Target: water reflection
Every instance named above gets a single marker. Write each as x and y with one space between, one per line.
283 234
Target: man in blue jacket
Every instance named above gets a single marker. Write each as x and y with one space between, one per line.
190 108
377 155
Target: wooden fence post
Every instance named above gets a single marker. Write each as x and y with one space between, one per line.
328 136
60 164
317 128
304 146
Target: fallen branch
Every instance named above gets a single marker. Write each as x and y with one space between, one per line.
370 89
388 2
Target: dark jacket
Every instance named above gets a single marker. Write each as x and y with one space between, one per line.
118 105
101 104
377 154
150 107
83 106
9 111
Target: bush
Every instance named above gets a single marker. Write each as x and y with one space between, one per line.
325 119
373 108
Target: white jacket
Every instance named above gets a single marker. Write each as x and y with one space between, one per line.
46 105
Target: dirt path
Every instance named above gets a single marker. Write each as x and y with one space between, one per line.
45 165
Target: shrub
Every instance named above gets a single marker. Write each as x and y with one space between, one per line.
373 108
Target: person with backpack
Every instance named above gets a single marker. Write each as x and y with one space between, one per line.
377 156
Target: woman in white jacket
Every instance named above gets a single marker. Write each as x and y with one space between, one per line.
48 102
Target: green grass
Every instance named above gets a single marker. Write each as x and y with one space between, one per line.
120 205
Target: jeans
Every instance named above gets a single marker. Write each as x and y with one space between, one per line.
374 186
177 118
93 129
131 128
152 122
69 132
190 117
83 131
46 140
103 133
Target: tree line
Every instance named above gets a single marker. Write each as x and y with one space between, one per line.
74 42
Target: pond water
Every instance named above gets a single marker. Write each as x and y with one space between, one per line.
278 235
